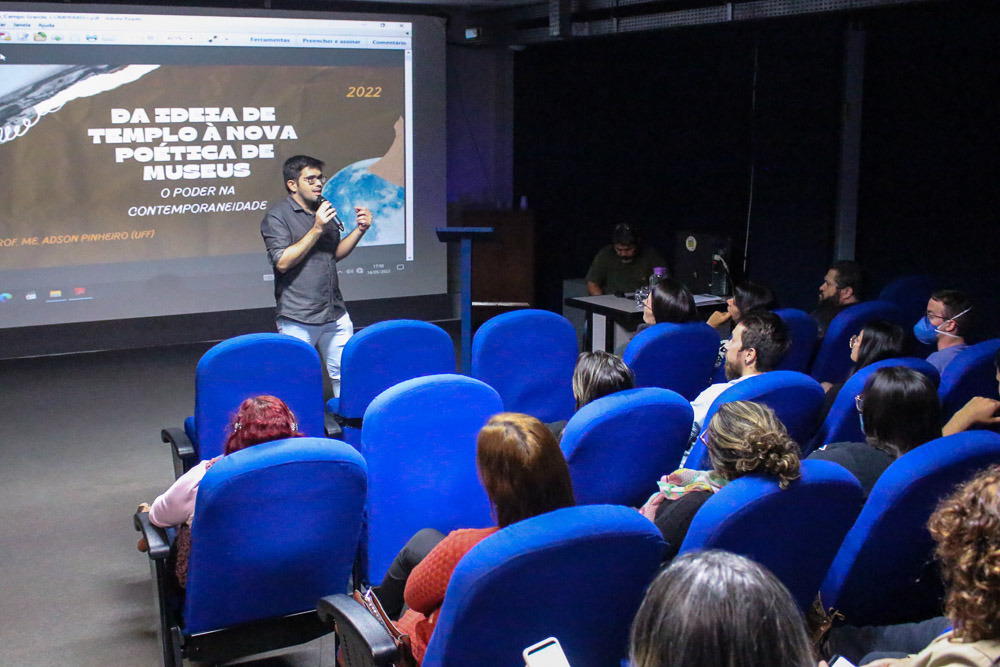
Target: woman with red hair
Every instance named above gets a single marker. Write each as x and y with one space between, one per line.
258 419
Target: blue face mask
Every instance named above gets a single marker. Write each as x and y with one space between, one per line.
925 332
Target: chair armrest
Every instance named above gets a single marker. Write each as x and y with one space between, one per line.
156 537
181 447
357 629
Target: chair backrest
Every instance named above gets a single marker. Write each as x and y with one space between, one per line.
803 332
910 293
419 439
578 574
884 572
795 398
794 532
528 356
679 357
617 445
833 359
277 526
841 423
385 354
253 365
970 373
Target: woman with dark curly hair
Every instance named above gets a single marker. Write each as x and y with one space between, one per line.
966 530
743 437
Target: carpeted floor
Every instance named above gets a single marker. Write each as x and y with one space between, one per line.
79 446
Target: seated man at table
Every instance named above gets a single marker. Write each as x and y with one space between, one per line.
758 344
624 265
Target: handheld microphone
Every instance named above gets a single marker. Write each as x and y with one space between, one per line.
319 202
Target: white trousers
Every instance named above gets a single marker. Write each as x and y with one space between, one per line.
329 340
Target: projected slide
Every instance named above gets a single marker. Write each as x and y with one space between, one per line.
136 175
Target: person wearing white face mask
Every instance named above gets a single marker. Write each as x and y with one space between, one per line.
945 325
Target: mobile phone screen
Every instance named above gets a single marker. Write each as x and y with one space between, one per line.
546 653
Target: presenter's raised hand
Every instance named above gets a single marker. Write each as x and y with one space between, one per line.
364 218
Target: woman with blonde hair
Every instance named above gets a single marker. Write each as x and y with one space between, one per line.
524 474
742 438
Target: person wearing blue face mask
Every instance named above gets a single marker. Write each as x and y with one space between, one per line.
945 325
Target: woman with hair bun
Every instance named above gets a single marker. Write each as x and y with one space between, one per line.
742 438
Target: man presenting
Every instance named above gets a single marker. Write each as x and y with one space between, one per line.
304 243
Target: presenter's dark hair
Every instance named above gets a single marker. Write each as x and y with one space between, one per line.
294 165
748 296
625 233
598 374
672 303
880 340
522 468
849 274
717 608
900 410
766 333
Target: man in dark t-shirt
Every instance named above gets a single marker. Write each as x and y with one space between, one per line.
623 266
303 238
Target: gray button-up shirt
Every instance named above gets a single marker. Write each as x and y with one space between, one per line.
309 292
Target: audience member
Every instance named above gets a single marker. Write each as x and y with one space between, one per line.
980 410
624 265
713 608
946 324
966 530
758 344
842 287
877 341
742 438
899 410
524 473
597 374
669 302
747 297
259 419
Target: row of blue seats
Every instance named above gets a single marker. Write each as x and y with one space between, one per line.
417 468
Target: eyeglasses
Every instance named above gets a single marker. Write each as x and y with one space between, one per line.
314 179
859 402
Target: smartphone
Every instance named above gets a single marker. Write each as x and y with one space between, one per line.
546 653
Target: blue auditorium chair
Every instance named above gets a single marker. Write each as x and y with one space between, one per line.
277 527
841 423
419 439
528 356
380 356
795 398
884 572
911 293
618 445
833 359
237 369
794 532
971 373
577 573
803 332
679 357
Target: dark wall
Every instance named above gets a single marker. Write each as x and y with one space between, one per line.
930 161
660 128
